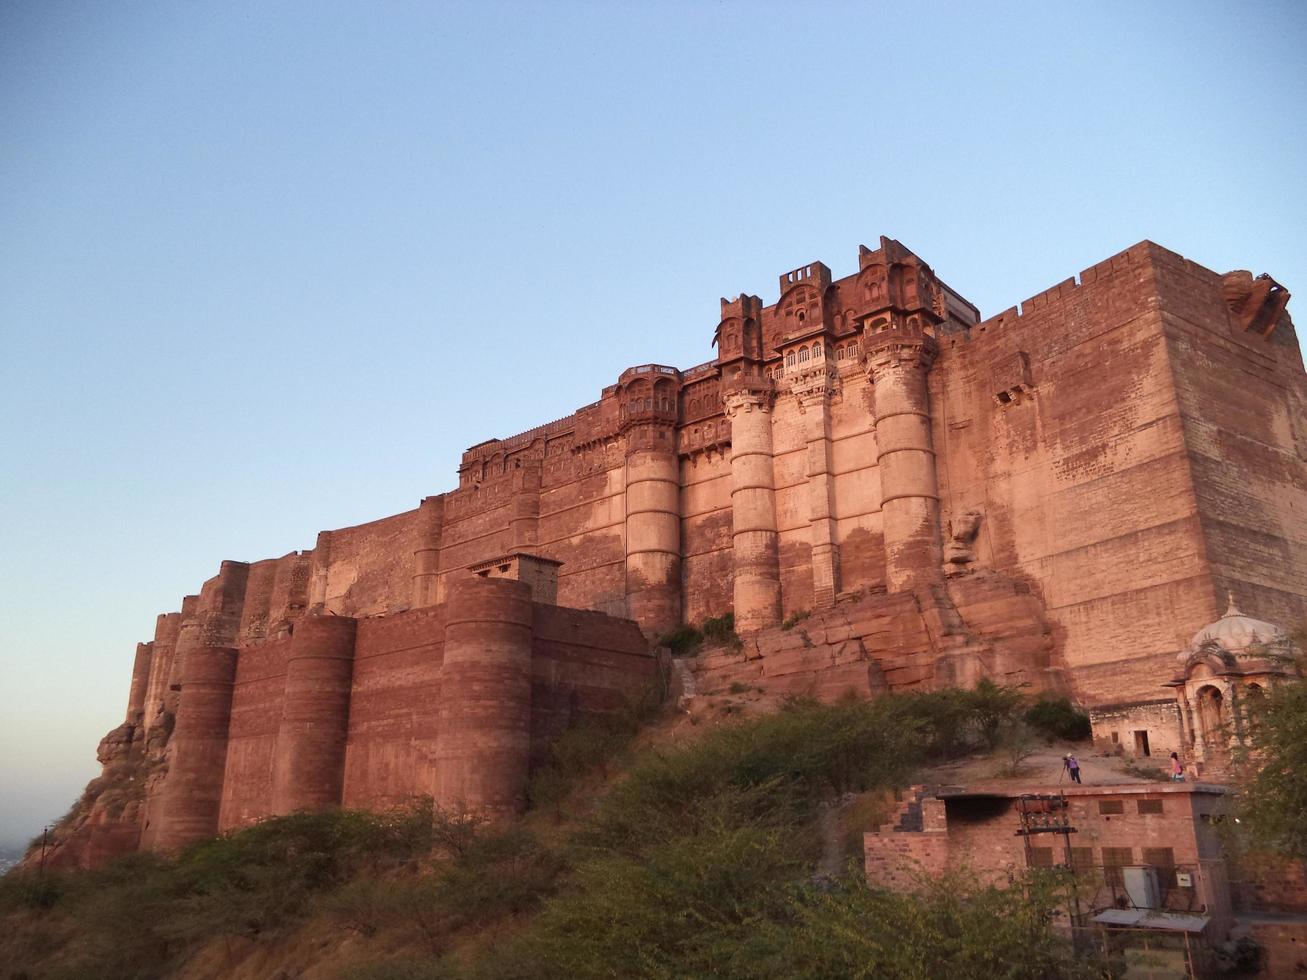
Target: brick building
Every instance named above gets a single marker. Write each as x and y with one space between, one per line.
1168 830
1146 859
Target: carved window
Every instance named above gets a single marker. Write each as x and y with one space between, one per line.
789 359
803 354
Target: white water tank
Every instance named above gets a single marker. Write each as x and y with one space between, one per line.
1141 885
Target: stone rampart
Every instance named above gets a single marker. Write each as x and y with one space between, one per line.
1059 495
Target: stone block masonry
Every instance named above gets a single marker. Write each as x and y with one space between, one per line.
1057 496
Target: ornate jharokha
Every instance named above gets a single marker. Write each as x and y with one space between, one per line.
1135 438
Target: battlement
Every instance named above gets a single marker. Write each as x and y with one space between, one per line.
1100 272
816 274
632 373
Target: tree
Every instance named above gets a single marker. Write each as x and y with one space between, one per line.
1272 805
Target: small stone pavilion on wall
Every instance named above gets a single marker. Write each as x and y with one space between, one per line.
1217 689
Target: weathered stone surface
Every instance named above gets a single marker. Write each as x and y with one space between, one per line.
1058 496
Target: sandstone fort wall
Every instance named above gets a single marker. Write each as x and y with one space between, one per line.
1057 496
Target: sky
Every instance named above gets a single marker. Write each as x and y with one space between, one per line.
268 268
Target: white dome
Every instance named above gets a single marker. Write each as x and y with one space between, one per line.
1236 632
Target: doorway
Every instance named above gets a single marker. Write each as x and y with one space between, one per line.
1141 744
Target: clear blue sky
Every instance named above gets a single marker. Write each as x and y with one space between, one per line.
268 268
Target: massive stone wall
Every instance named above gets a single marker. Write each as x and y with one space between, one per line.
1128 445
1059 495
455 701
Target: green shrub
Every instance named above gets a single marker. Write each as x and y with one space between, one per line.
1058 718
720 630
696 863
684 641
1272 804
701 848
795 618
588 747
499 873
140 915
404 968
687 640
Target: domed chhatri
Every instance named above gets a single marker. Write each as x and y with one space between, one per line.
1223 676
1236 633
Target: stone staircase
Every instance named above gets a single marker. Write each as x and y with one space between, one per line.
909 817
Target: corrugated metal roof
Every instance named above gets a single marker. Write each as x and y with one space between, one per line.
1152 919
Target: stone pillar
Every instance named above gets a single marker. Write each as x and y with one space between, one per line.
814 404
426 555
483 741
653 529
754 540
897 364
192 790
1186 721
309 764
140 683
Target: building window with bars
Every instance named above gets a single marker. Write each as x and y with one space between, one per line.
1163 859
1041 857
1114 859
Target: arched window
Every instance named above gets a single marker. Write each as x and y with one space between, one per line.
803 354
789 359
1211 714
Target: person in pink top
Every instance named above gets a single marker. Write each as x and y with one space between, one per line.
1177 769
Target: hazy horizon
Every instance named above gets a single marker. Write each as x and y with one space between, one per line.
269 269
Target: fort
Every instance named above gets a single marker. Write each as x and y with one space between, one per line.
1057 497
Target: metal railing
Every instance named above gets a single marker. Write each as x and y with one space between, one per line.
1165 888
